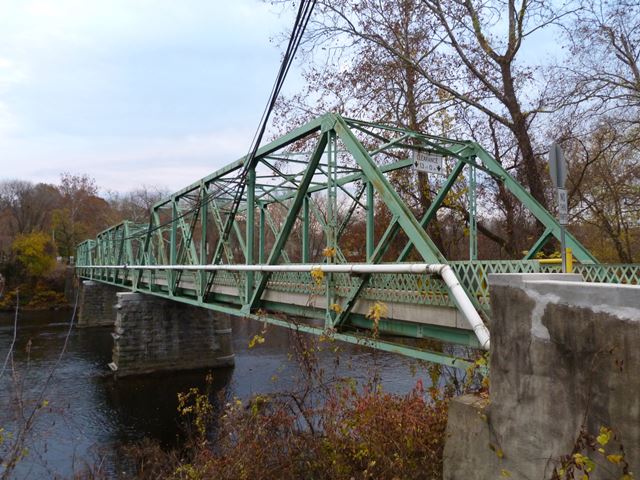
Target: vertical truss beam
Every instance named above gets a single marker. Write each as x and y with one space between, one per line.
276 251
370 224
251 213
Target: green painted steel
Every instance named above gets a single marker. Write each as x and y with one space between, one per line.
311 188
628 274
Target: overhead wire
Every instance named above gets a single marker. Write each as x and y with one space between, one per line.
305 9
303 16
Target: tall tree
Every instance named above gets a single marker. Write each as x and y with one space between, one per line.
599 123
603 66
471 54
430 65
25 207
136 205
82 212
605 190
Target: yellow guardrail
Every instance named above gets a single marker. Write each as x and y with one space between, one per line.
558 261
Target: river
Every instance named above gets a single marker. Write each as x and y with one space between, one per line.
90 417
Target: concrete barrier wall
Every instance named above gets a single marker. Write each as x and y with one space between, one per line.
565 357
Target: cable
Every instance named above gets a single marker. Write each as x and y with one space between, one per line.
15 332
301 21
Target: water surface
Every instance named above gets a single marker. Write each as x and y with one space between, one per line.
90 417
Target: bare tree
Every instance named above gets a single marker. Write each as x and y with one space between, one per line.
472 57
603 68
82 213
604 188
136 205
25 207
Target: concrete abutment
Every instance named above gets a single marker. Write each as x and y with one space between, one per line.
564 359
154 334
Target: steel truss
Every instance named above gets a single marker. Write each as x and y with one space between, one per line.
315 183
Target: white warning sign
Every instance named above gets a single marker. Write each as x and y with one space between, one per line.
429 163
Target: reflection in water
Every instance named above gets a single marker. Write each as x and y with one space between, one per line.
90 416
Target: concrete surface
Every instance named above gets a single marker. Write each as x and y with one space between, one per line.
565 355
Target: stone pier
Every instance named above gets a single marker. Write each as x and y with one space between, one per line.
153 334
564 365
96 304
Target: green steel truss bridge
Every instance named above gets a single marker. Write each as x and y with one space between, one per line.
283 251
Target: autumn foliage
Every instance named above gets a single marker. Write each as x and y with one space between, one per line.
353 433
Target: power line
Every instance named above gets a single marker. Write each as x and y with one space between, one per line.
303 15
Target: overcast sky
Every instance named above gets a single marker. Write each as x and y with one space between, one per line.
132 92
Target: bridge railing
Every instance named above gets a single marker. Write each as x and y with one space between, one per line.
625 273
420 289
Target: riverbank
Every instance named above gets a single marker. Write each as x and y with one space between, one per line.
33 297
50 292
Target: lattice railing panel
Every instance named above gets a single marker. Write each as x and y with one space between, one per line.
474 275
613 273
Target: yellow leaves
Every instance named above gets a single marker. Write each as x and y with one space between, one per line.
329 252
579 459
35 251
455 197
497 450
45 403
505 473
256 340
605 436
615 458
481 362
627 476
317 275
257 403
197 404
335 308
583 462
377 311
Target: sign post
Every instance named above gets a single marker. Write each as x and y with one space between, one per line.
558 172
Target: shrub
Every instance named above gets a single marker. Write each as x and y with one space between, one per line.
352 434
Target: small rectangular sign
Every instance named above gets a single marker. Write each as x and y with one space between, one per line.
563 207
429 163
557 166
